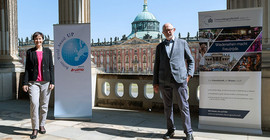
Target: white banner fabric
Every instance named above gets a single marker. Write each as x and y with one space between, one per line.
231 18
72 55
230 101
230 70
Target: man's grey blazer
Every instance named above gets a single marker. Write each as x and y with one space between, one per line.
180 64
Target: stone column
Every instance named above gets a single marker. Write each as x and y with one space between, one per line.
266 65
236 4
10 67
74 11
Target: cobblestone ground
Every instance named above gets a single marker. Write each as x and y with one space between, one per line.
106 124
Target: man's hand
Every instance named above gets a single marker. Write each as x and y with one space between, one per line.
51 86
188 78
156 88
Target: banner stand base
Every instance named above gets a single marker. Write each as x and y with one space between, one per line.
230 129
74 119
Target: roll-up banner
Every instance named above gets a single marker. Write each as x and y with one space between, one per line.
230 70
72 56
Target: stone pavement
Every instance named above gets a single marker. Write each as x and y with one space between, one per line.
106 124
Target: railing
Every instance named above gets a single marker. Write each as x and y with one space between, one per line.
135 92
129 91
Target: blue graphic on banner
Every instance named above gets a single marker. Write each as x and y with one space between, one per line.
74 52
223 113
230 46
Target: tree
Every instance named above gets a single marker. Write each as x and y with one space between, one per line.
197 36
188 35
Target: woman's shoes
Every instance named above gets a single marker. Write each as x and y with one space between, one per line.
34 134
43 130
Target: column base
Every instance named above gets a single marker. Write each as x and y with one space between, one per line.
10 70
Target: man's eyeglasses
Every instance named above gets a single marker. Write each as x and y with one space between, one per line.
168 30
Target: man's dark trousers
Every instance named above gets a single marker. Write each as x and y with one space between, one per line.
171 89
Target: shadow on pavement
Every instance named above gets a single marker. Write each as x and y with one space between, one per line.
127 133
11 130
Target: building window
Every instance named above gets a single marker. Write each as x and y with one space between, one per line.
106 89
127 69
127 59
119 90
148 91
108 59
144 58
101 59
133 90
144 67
135 68
136 58
119 59
119 68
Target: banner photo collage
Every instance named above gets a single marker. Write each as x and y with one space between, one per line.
230 49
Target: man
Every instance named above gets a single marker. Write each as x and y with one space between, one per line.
174 66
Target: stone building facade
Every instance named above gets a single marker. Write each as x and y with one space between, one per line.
132 56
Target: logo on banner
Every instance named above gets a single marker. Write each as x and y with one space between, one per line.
72 53
206 20
210 20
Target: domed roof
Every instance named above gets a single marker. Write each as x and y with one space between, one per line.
145 16
144 24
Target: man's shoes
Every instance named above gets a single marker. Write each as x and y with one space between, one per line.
189 137
168 135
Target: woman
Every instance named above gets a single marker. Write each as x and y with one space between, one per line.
38 82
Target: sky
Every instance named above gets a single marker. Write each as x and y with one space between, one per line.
113 18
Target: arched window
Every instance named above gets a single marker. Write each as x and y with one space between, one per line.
108 59
101 59
136 58
119 59
127 69
127 59
144 58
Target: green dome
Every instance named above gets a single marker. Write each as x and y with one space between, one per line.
145 23
145 16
